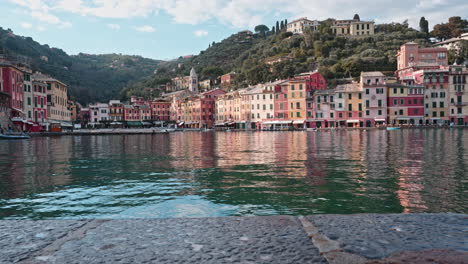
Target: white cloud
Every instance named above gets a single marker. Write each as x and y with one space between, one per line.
248 13
113 26
26 25
145 28
201 33
40 28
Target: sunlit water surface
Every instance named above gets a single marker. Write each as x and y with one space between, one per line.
205 174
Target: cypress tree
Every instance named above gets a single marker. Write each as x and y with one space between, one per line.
282 25
277 26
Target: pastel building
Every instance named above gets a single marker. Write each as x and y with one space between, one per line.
298 26
160 109
57 99
353 27
324 112
436 83
116 111
39 102
375 98
350 115
458 90
99 113
411 55
28 94
261 105
405 104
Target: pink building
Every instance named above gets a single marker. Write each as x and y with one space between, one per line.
281 116
131 113
375 98
39 101
411 55
324 111
208 107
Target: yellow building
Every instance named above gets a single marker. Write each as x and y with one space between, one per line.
353 27
57 99
297 102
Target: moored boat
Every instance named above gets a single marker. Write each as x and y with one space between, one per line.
393 128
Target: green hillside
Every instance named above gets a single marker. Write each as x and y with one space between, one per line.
90 77
335 57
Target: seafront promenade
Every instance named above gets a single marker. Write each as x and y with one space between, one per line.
366 238
143 131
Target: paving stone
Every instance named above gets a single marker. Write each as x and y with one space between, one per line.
20 239
378 236
273 239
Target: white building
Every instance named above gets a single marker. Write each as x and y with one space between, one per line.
298 26
98 112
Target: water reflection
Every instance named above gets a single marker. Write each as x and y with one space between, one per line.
216 174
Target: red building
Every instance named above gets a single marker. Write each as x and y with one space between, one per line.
227 79
205 107
12 86
405 104
160 110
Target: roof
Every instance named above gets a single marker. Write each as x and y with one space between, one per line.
327 91
372 74
45 78
350 87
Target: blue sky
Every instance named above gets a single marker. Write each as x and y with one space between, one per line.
166 29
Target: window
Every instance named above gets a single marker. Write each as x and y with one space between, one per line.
367 91
298 105
367 103
298 114
350 96
379 103
350 114
350 107
402 101
292 87
367 113
360 107
340 115
360 95
434 114
434 104
380 112
340 105
340 95
395 91
441 104
300 86
401 112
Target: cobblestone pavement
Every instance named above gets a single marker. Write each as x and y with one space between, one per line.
425 238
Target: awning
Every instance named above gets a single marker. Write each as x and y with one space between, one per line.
116 123
134 123
380 120
435 118
181 123
298 122
352 121
66 124
146 123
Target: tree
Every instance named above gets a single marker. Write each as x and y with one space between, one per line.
424 25
282 25
261 29
454 28
356 17
212 72
273 30
277 26
286 22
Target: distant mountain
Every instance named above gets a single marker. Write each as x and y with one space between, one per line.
91 78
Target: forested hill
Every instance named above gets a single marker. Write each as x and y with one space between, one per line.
91 78
336 57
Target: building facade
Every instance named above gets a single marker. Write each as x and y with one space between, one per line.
298 26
